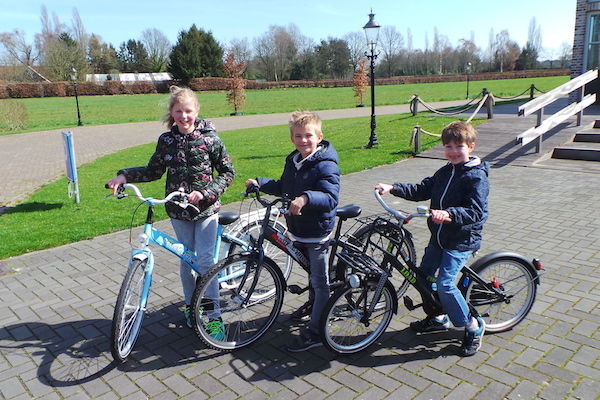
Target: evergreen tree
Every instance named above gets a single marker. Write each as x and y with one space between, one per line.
133 57
196 54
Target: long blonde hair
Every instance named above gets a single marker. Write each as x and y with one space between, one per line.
179 95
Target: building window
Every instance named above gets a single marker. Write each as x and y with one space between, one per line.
593 48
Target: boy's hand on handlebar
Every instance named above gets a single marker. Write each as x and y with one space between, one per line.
440 216
251 183
115 182
383 188
297 204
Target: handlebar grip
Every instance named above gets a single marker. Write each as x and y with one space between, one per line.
106 186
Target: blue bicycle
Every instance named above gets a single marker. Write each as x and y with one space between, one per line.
133 296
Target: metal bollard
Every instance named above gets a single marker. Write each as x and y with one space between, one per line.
415 105
531 89
417 136
488 104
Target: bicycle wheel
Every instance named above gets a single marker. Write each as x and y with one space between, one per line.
249 234
129 311
380 240
342 330
517 284
224 318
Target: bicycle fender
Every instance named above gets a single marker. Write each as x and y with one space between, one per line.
507 255
279 273
392 290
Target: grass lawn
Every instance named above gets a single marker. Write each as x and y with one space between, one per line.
49 218
60 112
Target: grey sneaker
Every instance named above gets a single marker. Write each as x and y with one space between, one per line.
307 340
430 324
472 341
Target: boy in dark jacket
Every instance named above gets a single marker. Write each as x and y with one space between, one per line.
458 192
311 178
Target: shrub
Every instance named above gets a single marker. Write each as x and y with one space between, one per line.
13 115
54 89
24 90
3 92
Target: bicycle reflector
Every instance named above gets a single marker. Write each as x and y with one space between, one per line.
537 264
353 281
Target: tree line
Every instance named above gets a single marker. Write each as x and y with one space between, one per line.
280 53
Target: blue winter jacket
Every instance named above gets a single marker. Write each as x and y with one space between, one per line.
319 179
462 191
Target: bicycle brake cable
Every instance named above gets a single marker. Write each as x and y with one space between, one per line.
131 223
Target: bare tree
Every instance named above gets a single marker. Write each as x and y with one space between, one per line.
78 30
277 49
565 54
357 45
392 43
158 47
17 47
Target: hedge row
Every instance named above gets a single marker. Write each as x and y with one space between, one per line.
60 89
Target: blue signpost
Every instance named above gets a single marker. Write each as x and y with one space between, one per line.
73 188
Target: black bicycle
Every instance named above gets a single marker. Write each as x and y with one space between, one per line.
499 287
244 293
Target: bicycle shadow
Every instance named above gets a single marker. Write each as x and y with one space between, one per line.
393 347
78 352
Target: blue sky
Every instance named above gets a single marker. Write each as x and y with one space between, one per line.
118 21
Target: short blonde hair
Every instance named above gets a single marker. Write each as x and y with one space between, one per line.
304 118
459 132
179 95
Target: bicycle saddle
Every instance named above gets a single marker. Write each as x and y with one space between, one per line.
226 218
348 211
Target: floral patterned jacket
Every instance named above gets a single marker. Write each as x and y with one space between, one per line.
190 161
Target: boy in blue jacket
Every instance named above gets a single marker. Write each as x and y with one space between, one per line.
311 178
458 192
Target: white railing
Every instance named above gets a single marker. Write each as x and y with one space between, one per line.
538 104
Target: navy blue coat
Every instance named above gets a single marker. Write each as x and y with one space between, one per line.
319 179
462 191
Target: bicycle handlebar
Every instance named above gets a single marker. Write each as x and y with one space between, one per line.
265 203
422 211
150 200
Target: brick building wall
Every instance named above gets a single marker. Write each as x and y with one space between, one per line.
578 63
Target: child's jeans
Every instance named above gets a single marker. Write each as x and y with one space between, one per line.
447 264
199 236
319 280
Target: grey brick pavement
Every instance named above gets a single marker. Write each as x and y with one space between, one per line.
56 311
57 305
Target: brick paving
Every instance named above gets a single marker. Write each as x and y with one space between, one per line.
56 309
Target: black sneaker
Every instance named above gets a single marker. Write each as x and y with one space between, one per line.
472 340
302 313
307 340
430 324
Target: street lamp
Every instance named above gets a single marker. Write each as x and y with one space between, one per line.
73 76
468 69
372 34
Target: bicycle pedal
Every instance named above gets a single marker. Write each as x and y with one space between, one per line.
409 304
295 289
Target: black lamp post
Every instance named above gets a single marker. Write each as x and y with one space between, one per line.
372 34
468 69
74 81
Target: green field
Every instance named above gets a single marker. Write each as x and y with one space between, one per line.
60 112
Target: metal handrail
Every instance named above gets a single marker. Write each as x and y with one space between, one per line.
538 104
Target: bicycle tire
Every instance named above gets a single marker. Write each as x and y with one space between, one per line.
249 233
129 311
242 324
342 331
513 277
405 252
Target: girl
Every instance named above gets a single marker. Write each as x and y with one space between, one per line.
190 152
